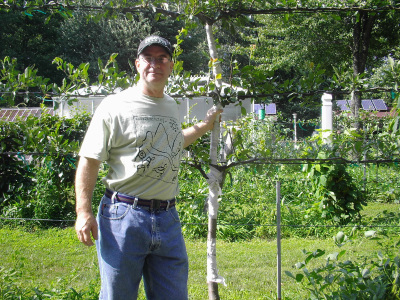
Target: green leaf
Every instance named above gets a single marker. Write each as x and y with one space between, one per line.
340 237
299 277
370 233
341 253
365 273
129 16
318 253
290 274
333 256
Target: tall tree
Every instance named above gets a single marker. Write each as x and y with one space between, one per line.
29 39
83 39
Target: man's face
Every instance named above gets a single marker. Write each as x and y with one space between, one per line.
154 72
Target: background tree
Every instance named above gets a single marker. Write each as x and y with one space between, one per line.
30 42
82 39
30 39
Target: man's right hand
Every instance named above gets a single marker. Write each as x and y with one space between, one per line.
86 227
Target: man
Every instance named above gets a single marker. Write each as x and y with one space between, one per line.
137 132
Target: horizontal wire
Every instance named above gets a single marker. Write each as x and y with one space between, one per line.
228 224
337 160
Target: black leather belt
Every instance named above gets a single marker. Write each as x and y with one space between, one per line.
150 205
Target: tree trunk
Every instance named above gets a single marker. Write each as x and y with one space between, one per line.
355 105
362 31
215 178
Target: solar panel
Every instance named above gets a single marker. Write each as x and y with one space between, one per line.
257 107
379 104
270 109
343 105
12 114
367 105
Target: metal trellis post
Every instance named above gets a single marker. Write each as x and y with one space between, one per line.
278 241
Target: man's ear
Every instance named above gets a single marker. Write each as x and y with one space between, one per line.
137 63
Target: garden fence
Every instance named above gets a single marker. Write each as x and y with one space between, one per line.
25 157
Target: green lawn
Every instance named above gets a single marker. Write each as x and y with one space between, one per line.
54 259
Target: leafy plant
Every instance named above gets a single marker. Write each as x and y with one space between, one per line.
43 187
14 171
337 198
368 279
14 83
9 290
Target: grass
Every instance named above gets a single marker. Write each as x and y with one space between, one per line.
54 259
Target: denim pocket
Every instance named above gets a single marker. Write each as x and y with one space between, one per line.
114 211
174 214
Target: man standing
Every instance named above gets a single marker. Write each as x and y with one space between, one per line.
137 231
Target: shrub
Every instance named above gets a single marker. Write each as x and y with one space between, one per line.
368 279
42 188
337 198
16 176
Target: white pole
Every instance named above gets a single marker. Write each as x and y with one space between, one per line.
295 127
326 116
188 120
278 241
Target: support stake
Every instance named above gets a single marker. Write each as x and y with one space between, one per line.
278 240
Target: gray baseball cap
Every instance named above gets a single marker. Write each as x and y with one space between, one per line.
155 40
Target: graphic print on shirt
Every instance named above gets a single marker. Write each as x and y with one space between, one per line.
159 149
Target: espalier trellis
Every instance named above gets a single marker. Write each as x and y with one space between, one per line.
228 13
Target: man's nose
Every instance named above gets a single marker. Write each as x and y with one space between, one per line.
154 62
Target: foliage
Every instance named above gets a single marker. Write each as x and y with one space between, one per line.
285 42
248 205
337 198
16 177
31 254
249 188
251 138
13 82
44 189
372 278
330 190
9 290
296 63
83 39
32 41
388 75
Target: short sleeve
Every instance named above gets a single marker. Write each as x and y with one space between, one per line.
96 143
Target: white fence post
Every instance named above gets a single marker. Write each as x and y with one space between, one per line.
295 127
278 241
326 118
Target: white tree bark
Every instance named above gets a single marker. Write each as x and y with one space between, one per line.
214 180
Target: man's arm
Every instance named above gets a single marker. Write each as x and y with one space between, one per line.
191 134
85 181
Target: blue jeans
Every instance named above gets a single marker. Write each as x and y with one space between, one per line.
135 243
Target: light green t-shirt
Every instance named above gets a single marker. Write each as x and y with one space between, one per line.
141 139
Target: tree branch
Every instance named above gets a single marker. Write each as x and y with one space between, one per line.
299 161
56 6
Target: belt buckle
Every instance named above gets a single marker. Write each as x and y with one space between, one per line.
154 205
